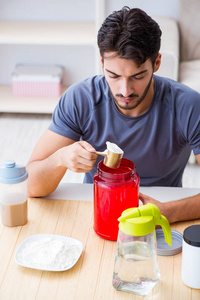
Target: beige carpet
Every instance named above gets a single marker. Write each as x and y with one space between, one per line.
19 134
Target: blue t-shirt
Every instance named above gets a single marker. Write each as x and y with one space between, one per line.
159 141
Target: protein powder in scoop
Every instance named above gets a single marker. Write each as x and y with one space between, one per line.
114 148
114 156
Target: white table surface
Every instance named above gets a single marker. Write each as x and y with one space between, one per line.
84 192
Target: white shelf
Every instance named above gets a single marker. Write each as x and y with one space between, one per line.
40 33
9 103
47 33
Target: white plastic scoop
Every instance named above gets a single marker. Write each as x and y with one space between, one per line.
113 155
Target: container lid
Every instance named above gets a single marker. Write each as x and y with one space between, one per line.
163 248
191 235
138 226
142 220
10 173
36 73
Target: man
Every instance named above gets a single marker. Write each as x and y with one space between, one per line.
156 121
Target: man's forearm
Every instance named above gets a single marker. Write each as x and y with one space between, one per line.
184 209
179 210
44 176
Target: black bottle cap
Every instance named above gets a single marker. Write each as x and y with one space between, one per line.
191 235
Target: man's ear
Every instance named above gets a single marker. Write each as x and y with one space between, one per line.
157 63
101 61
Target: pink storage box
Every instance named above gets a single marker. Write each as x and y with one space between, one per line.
37 81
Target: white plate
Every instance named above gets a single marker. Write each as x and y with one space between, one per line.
45 247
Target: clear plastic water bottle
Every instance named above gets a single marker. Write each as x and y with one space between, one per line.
13 194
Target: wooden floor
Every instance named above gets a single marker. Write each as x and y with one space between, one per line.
20 132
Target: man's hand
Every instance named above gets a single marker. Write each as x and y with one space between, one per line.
162 206
79 157
178 210
146 199
52 156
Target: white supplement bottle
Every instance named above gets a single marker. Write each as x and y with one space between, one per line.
191 256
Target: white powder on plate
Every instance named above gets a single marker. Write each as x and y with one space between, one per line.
49 253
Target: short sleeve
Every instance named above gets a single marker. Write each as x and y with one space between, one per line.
69 116
188 113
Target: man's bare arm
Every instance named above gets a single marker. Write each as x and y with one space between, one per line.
51 158
180 210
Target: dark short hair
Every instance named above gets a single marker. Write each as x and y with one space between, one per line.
132 34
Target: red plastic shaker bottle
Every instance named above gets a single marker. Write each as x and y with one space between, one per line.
114 191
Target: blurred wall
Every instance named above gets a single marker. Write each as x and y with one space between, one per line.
78 61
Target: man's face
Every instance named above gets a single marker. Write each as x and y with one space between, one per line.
132 87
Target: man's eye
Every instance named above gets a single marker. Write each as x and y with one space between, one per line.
139 77
113 76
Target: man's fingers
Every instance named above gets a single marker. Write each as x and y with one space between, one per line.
87 146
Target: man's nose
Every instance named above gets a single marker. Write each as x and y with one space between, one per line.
126 89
